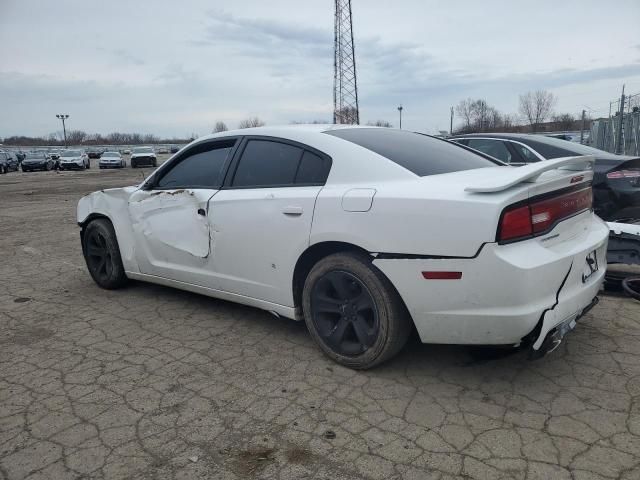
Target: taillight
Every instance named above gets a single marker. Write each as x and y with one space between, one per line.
539 216
624 174
516 223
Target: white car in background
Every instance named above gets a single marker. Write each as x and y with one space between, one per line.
111 159
73 160
143 157
363 233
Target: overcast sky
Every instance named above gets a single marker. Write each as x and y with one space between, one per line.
175 67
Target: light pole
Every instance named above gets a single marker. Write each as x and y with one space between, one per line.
400 110
63 117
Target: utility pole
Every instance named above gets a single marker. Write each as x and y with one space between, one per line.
63 117
582 131
619 148
400 110
451 123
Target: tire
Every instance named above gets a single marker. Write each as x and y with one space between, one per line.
3 169
133 165
102 254
47 167
373 307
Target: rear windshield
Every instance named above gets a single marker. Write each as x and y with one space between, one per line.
556 148
418 153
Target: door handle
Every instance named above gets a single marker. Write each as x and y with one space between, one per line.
202 212
291 210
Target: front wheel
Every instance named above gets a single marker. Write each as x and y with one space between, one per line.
353 311
102 254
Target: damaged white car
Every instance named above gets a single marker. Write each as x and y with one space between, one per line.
364 233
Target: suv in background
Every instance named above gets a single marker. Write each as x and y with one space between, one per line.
8 161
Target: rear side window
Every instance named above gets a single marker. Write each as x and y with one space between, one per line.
495 148
201 167
418 153
269 163
313 169
266 164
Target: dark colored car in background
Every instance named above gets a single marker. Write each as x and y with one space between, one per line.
37 161
8 161
616 180
94 153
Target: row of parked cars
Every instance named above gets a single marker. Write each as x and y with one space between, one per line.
73 159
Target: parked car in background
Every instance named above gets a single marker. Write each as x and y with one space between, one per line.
163 150
364 233
143 157
36 161
127 151
174 149
74 160
616 181
54 154
111 159
8 161
94 153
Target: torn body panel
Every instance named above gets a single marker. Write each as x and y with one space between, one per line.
172 232
113 203
171 218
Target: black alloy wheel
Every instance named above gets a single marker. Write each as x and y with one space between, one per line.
102 254
353 312
344 313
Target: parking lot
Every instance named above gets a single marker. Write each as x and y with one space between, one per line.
150 382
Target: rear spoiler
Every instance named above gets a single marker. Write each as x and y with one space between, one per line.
508 177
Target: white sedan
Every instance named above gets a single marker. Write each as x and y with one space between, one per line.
364 233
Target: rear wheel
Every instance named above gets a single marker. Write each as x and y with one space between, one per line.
353 311
102 254
3 169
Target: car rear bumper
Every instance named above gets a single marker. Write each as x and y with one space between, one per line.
507 293
110 165
71 166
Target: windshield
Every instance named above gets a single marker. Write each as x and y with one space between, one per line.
418 153
143 150
71 153
110 154
35 155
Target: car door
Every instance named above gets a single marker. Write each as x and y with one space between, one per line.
169 214
261 219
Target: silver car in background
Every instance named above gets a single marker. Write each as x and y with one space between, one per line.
112 159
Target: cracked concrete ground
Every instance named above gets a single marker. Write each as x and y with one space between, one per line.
150 382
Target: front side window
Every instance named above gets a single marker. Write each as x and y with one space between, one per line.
265 163
200 167
495 148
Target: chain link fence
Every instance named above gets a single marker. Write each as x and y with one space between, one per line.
605 132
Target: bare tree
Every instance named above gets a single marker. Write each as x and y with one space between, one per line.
564 121
464 110
76 137
347 115
536 106
219 127
380 123
251 122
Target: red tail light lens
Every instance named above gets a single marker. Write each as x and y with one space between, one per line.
546 213
538 217
624 174
516 223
